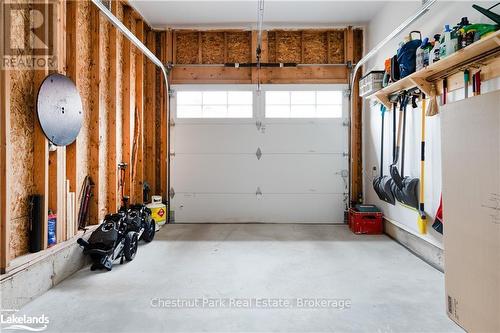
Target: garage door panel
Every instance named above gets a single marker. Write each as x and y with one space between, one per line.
304 137
302 173
303 208
215 173
277 170
216 138
222 208
291 208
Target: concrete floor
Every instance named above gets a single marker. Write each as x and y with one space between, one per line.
389 289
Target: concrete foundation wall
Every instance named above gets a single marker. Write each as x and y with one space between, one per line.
426 251
22 286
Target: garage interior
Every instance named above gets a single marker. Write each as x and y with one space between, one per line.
252 141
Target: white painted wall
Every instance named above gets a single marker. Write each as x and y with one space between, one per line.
388 18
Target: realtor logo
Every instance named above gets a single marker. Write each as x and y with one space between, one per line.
28 35
10 320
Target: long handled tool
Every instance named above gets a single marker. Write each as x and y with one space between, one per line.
381 183
422 217
85 197
391 182
433 104
122 167
405 189
397 180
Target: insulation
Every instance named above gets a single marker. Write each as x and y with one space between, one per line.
315 46
239 46
186 47
212 47
337 46
288 46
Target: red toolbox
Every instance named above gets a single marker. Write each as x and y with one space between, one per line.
366 222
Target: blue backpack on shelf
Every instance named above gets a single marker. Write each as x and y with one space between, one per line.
407 55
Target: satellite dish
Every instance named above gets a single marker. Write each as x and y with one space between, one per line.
59 109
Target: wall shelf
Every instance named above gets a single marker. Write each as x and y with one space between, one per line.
425 78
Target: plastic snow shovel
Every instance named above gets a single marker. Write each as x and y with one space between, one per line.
396 179
380 183
405 189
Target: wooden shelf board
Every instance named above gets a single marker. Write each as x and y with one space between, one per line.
422 77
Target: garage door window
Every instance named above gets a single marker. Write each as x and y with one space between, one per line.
303 104
214 104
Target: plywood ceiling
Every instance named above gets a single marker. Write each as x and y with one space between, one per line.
243 13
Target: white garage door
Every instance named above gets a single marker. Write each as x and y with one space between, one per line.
277 156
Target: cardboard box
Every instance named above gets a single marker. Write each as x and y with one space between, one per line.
470 134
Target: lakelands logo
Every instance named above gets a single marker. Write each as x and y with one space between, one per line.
28 31
10 320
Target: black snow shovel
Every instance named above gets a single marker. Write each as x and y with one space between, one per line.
395 179
405 189
381 184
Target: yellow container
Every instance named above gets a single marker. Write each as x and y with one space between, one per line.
158 211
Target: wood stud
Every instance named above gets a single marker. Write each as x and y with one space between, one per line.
137 164
5 174
150 117
126 102
95 115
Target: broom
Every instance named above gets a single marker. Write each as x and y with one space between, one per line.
433 108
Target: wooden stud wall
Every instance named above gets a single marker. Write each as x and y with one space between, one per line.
299 46
159 92
137 167
60 154
213 47
109 75
354 53
113 102
5 171
71 71
166 54
314 47
96 108
150 116
20 180
127 101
